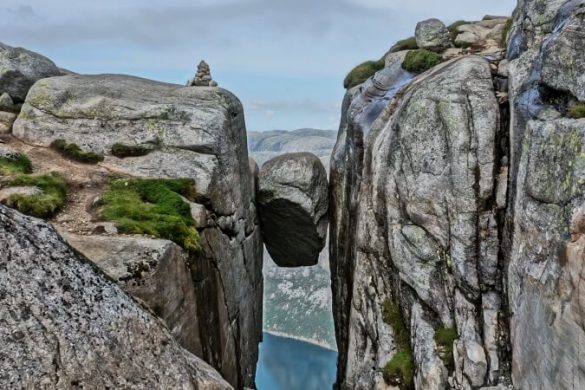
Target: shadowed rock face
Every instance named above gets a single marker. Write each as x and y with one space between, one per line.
64 324
20 69
293 206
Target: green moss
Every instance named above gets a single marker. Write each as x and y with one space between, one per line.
444 338
362 72
18 164
45 205
405 44
421 60
74 152
153 207
577 111
123 150
399 371
506 31
453 29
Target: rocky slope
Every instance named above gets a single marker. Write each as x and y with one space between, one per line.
210 298
65 325
456 248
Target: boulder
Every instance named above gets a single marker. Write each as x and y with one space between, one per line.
293 204
432 34
196 133
20 69
65 324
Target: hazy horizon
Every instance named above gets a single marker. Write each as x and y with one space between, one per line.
285 60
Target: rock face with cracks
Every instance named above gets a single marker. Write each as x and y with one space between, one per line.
190 132
64 324
293 206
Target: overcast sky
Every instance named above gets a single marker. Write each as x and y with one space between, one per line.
285 59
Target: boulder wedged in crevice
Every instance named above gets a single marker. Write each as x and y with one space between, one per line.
293 206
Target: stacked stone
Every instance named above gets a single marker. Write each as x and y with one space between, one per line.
203 77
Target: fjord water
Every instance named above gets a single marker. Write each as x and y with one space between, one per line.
290 364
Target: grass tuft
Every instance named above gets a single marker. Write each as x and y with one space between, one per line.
123 150
15 165
74 152
45 205
153 207
405 44
362 72
421 60
577 111
444 338
399 371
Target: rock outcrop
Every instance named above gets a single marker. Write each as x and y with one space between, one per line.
293 205
20 69
65 325
196 133
458 215
432 34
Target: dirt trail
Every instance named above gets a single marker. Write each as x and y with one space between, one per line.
86 182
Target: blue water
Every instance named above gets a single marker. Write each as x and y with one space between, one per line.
289 364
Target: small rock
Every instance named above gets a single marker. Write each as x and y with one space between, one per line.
432 34
6 121
26 191
105 228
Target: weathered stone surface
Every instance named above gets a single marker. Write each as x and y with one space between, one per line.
6 121
432 34
64 324
474 33
413 190
293 205
20 69
197 133
563 62
155 271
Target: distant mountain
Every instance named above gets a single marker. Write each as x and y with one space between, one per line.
267 144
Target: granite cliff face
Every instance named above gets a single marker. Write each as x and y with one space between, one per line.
210 298
64 324
456 250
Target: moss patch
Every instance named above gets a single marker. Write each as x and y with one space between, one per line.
577 111
74 152
399 371
45 205
153 207
405 44
444 338
362 72
19 164
421 60
123 150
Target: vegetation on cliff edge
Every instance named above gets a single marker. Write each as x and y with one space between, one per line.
74 152
13 165
154 207
399 371
405 44
123 150
444 338
362 72
421 60
577 111
44 205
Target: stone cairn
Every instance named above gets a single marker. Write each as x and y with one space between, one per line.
202 77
